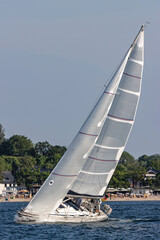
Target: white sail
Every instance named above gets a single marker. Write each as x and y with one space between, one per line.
102 138
59 181
101 163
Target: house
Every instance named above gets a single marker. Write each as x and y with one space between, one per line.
8 186
151 173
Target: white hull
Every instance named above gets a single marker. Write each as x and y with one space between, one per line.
53 218
67 212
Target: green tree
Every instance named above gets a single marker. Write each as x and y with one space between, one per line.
47 155
17 146
24 170
136 173
150 161
3 165
121 177
42 148
127 159
157 182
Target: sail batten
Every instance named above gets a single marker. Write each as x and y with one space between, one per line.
136 61
95 173
107 147
119 118
131 92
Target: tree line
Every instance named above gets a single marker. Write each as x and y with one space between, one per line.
32 163
130 171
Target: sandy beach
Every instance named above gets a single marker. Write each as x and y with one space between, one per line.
15 200
150 198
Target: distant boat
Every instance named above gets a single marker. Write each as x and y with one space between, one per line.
73 190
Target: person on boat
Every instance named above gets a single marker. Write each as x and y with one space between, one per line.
78 202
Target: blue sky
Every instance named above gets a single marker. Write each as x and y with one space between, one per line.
56 56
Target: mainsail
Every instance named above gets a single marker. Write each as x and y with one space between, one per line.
90 160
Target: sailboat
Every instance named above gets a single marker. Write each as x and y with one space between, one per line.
74 189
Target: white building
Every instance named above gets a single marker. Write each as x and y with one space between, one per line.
7 184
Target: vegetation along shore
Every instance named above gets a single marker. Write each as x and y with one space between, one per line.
30 164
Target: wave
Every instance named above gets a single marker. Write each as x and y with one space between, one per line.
134 220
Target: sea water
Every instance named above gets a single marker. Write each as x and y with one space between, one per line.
128 220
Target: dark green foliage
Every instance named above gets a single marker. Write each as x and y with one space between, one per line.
4 166
47 155
23 169
130 171
127 159
150 161
136 174
42 148
120 177
28 163
16 146
31 163
157 182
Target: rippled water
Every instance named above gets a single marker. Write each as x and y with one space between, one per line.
129 220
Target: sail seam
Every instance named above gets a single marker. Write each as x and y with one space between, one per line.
61 175
103 160
131 75
92 135
120 119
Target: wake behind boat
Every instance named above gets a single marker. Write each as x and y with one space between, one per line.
73 190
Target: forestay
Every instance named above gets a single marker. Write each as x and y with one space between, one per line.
102 160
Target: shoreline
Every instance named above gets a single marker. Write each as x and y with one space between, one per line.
128 199
15 200
112 199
